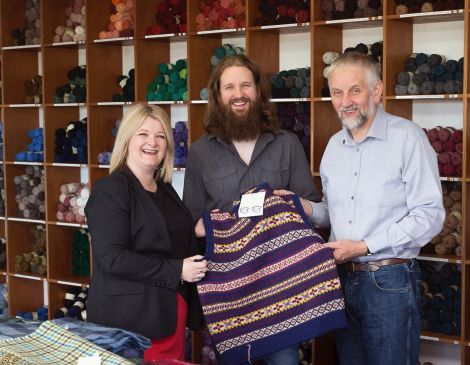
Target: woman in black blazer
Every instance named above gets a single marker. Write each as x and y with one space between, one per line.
145 261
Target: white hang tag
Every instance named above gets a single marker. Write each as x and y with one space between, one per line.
251 205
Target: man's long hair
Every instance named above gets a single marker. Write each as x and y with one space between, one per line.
214 118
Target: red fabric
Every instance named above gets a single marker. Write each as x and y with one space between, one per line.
173 346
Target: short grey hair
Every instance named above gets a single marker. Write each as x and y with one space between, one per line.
353 58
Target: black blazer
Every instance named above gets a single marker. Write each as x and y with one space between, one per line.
134 279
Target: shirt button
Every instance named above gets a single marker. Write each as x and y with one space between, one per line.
350 222
357 149
355 174
352 198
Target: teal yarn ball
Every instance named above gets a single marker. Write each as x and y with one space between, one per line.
180 64
174 76
204 93
164 68
214 60
220 52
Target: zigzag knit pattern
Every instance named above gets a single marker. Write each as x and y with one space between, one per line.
271 283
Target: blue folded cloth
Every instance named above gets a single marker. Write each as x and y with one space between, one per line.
123 343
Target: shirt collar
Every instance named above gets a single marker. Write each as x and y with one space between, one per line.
263 137
378 128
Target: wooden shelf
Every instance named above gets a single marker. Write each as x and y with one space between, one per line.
439 337
431 17
437 258
107 59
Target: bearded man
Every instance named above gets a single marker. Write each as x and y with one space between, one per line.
244 146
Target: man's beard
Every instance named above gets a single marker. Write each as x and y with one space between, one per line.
242 127
359 121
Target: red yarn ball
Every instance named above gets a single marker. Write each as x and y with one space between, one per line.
302 16
156 29
172 28
162 7
213 15
206 11
230 12
291 12
282 10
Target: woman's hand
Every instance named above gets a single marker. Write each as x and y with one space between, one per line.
194 269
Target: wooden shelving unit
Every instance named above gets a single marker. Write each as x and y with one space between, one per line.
107 59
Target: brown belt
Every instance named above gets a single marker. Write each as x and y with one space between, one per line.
372 265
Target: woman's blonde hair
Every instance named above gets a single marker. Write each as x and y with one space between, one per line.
131 122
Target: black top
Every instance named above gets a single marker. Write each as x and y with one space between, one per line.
178 226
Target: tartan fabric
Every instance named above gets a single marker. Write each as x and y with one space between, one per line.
271 283
51 344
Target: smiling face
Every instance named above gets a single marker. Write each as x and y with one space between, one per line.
238 89
353 97
147 147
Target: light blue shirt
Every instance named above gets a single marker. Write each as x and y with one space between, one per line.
384 190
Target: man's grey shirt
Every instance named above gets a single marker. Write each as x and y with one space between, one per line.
216 175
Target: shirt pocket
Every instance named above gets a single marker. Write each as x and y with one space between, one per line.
222 182
276 178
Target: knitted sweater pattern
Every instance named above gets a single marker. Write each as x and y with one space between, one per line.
271 283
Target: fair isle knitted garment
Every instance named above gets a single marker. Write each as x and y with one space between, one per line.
271 283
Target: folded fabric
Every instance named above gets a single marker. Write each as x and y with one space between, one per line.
11 327
271 283
121 342
51 344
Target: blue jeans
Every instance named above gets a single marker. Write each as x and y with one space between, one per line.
287 356
383 319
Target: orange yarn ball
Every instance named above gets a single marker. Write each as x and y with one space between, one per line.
121 8
118 25
126 24
239 9
232 23
200 19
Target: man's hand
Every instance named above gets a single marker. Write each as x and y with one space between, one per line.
344 250
307 207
